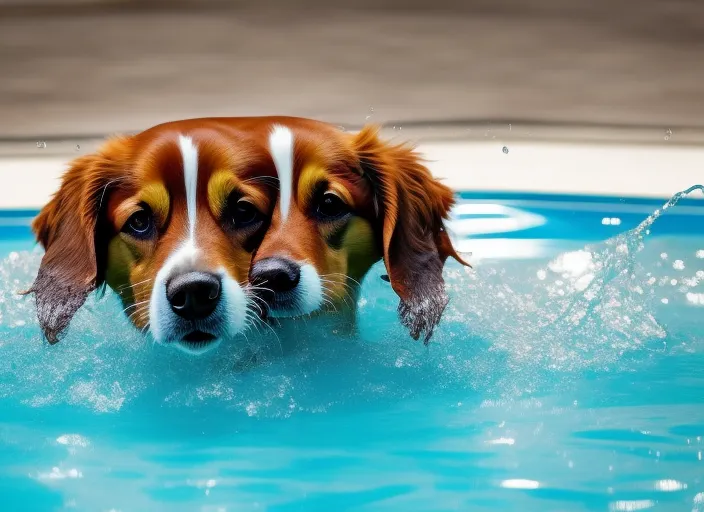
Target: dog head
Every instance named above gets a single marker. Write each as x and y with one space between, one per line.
345 201
168 219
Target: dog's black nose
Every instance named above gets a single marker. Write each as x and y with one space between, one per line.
277 274
193 295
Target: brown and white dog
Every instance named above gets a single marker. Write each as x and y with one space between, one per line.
178 219
168 219
346 201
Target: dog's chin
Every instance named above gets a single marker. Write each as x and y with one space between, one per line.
194 342
197 342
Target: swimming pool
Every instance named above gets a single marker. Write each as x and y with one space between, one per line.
567 374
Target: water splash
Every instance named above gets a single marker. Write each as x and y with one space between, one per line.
510 330
587 308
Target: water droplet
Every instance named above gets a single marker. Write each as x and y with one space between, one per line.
668 134
41 144
678 265
505 150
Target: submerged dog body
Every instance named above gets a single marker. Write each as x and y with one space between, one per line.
168 219
177 219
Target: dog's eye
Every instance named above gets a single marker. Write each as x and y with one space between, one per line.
243 213
330 207
139 225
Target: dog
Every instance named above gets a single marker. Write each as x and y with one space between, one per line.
168 219
194 222
346 201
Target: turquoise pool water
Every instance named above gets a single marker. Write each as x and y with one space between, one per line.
567 375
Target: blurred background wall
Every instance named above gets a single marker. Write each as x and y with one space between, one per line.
86 68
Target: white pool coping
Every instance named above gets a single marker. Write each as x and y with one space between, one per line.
635 170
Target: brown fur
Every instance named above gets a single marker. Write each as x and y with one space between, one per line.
399 210
79 228
391 190
73 264
412 206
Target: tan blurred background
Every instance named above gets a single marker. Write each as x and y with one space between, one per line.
85 68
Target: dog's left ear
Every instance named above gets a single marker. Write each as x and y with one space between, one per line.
67 229
412 207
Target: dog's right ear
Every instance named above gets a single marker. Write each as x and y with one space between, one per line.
73 262
412 209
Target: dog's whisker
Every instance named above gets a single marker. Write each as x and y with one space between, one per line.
344 276
135 305
138 316
259 322
259 288
344 297
327 295
132 285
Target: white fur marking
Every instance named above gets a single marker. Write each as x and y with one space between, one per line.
160 314
235 303
189 153
281 148
309 294
311 291
231 312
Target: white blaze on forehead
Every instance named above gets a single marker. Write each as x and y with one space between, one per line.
231 312
281 148
189 153
185 255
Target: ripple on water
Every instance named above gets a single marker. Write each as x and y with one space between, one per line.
510 328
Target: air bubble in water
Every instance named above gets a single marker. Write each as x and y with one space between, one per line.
371 113
668 134
665 301
678 265
41 144
663 255
78 147
700 254
505 150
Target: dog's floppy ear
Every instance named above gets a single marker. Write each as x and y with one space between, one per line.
412 207
72 265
